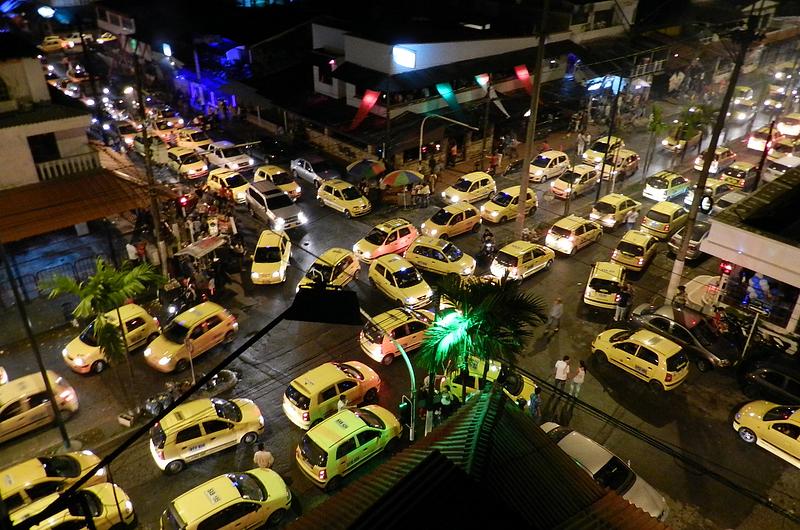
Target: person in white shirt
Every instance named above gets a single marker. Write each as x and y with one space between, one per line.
577 380
342 404
562 372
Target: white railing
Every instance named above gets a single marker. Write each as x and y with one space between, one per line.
70 165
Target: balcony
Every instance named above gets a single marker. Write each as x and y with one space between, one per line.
64 167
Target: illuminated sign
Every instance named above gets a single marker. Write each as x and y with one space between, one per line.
404 57
167 49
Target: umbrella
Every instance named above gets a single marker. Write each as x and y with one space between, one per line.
401 177
366 169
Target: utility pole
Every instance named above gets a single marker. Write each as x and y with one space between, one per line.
745 37
612 117
155 211
530 133
767 147
486 121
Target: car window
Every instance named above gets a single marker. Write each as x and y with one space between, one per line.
190 433
328 393
392 237
437 255
681 333
416 327
215 426
457 218
647 356
345 386
367 436
422 251
792 431
134 323
43 489
197 332
404 231
346 447
627 347
13 502
659 323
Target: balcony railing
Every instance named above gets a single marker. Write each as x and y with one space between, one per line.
70 165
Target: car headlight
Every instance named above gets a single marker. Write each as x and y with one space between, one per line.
241 195
724 362
163 361
454 199
127 507
297 189
148 352
664 142
740 115
466 271
567 190
366 254
411 300
254 275
302 217
433 231
191 172
205 167
79 361
251 161
180 121
169 124
494 214
64 351
276 274
598 159
539 173
100 472
90 102
444 195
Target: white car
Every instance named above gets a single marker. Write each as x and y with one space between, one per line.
313 171
608 469
226 154
549 164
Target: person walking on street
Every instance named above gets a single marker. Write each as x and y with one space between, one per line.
587 140
679 300
577 380
562 372
425 195
263 458
581 145
535 405
623 301
631 218
342 403
554 318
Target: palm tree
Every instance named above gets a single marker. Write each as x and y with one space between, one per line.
491 321
107 290
696 119
656 127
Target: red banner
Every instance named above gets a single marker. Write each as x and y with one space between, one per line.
524 76
367 102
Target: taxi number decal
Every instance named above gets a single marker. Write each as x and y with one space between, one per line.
211 493
197 447
341 423
640 369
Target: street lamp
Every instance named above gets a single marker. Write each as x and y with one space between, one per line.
422 126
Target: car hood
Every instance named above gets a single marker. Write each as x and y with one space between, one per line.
163 347
365 246
287 211
646 497
755 409
79 349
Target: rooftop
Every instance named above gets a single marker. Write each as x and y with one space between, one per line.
15 46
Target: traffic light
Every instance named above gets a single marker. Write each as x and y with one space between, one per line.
404 411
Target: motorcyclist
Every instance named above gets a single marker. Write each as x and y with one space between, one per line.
487 239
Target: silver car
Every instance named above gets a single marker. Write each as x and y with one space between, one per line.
313 170
270 204
699 234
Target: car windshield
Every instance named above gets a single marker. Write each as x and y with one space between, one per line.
541 161
658 217
780 413
462 184
350 193
601 146
312 453
604 286
514 383
127 129
373 333
320 272
227 409
571 177
700 229
560 231
761 135
604 208
87 336
247 486
170 520
407 277
93 503
778 167
230 152
658 183
622 335
615 475
370 418
514 166
190 158
677 361
505 259
278 201
60 466
282 178
198 136
376 236
441 217
176 332
158 436
630 249
452 252
297 398
235 181
267 255
350 370
502 199
703 332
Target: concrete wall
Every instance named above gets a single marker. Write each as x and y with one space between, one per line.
334 90
327 37
24 79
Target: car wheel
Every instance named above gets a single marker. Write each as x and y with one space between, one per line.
228 337
387 360
152 337
249 438
445 237
503 219
175 467
747 435
348 214
655 386
573 250
371 397
548 265
98 366
321 202
703 365
276 517
181 365
601 357
333 484
475 228
752 391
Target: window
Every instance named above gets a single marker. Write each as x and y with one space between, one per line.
37 491
469 213
13 502
648 356
380 270
792 431
134 323
324 75
457 218
344 386
405 231
659 323
527 257
392 237
346 448
187 434
327 394
682 334
218 520
44 147
627 347
38 399
197 332
422 251
367 436
215 426
437 255
416 327
212 322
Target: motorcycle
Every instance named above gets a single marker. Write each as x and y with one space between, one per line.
487 252
222 382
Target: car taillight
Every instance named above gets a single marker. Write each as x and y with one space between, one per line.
666 228
615 253
616 297
156 322
306 417
184 200
640 261
323 474
741 182
668 377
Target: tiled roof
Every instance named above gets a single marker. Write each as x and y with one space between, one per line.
489 455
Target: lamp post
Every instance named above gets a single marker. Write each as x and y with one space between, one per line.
422 126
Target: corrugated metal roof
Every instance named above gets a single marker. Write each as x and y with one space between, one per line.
488 454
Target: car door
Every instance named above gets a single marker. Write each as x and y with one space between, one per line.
528 264
350 268
416 333
437 261
38 409
645 363
327 402
681 186
625 355
219 433
784 436
580 236
339 200
456 224
404 239
391 244
135 332
13 419
591 232
369 442
351 391
190 443
346 455
540 259
240 515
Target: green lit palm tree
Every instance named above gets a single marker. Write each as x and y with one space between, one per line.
107 290
491 321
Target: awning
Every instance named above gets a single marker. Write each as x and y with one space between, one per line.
47 206
201 248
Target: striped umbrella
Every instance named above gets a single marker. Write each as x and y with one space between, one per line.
401 177
366 169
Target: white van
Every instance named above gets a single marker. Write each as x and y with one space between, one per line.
778 166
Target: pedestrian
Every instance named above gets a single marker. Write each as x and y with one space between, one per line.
432 182
581 144
587 140
545 147
679 300
263 458
623 301
432 164
554 318
562 372
631 218
452 154
132 254
535 405
439 168
446 400
342 404
577 380
425 195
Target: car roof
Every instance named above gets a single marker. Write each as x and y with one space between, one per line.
625 152
206 498
582 168
430 241
269 238
180 151
190 412
332 256
331 430
25 386
607 270
713 183
518 247
645 337
476 175
126 311
337 183
192 316
461 206
664 173
637 237
221 172
325 374
266 187
393 224
590 454
740 164
512 190
665 207
19 475
552 153
222 143
734 196
607 137
271 169
393 318
571 222
393 262
614 198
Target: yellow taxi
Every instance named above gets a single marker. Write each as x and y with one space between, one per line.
635 250
578 180
403 326
203 427
664 219
25 403
341 443
572 233
109 507
192 138
547 165
601 148
83 355
742 93
611 209
335 268
439 256
452 220
248 499
471 187
723 157
605 282
654 359
280 177
665 185
515 384
222 180
28 481
390 237
343 197
186 163
54 43
315 395
619 165
678 139
715 188
763 139
520 259
741 175
774 428
198 329
505 205
270 258
396 278
789 125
